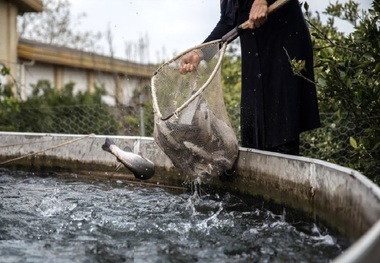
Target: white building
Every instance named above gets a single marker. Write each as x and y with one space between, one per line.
30 61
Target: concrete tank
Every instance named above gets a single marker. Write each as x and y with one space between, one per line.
342 198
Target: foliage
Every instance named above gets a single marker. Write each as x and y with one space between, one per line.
347 73
347 68
56 25
231 74
133 120
149 118
9 108
56 111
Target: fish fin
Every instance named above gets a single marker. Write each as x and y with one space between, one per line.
127 149
118 166
142 156
107 144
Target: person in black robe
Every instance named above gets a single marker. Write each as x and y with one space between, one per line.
276 104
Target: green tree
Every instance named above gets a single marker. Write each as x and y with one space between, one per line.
57 111
9 108
56 25
348 77
231 75
347 68
132 122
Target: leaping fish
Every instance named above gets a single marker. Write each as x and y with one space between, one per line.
141 167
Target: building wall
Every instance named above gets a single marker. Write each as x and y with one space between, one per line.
129 86
30 61
33 72
78 76
109 82
119 88
8 34
8 38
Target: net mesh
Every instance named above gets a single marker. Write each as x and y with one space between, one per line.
191 122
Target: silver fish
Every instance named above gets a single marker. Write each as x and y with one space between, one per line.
207 146
141 167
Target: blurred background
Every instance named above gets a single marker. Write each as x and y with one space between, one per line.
79 67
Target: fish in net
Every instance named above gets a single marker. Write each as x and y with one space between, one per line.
191 121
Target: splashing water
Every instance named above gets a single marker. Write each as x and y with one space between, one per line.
47 219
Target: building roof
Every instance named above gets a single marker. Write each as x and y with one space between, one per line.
25 6
58 55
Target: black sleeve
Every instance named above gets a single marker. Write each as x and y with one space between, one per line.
219 31
227 22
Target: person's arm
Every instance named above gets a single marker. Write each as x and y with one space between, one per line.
219 31
226 23
191 60
258 14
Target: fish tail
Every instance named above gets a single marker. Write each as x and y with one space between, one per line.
107 144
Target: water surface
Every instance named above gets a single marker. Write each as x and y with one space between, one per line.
50 219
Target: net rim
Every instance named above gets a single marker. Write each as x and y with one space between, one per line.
156 109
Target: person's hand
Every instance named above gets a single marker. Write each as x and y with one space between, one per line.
190 62
258 14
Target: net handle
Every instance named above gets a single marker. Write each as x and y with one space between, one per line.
156 108
201 89
237 30
225 40
199 46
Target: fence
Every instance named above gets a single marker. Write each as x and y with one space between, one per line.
331 142
323 143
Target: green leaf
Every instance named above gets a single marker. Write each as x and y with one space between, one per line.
306 6
5 71
377 68
377 146
353 143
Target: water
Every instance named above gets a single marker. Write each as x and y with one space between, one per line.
50 219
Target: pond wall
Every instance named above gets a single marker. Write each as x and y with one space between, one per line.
340 197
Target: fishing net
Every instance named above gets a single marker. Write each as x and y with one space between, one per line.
191 122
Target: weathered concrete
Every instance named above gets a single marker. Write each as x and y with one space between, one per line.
8 33
344 199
